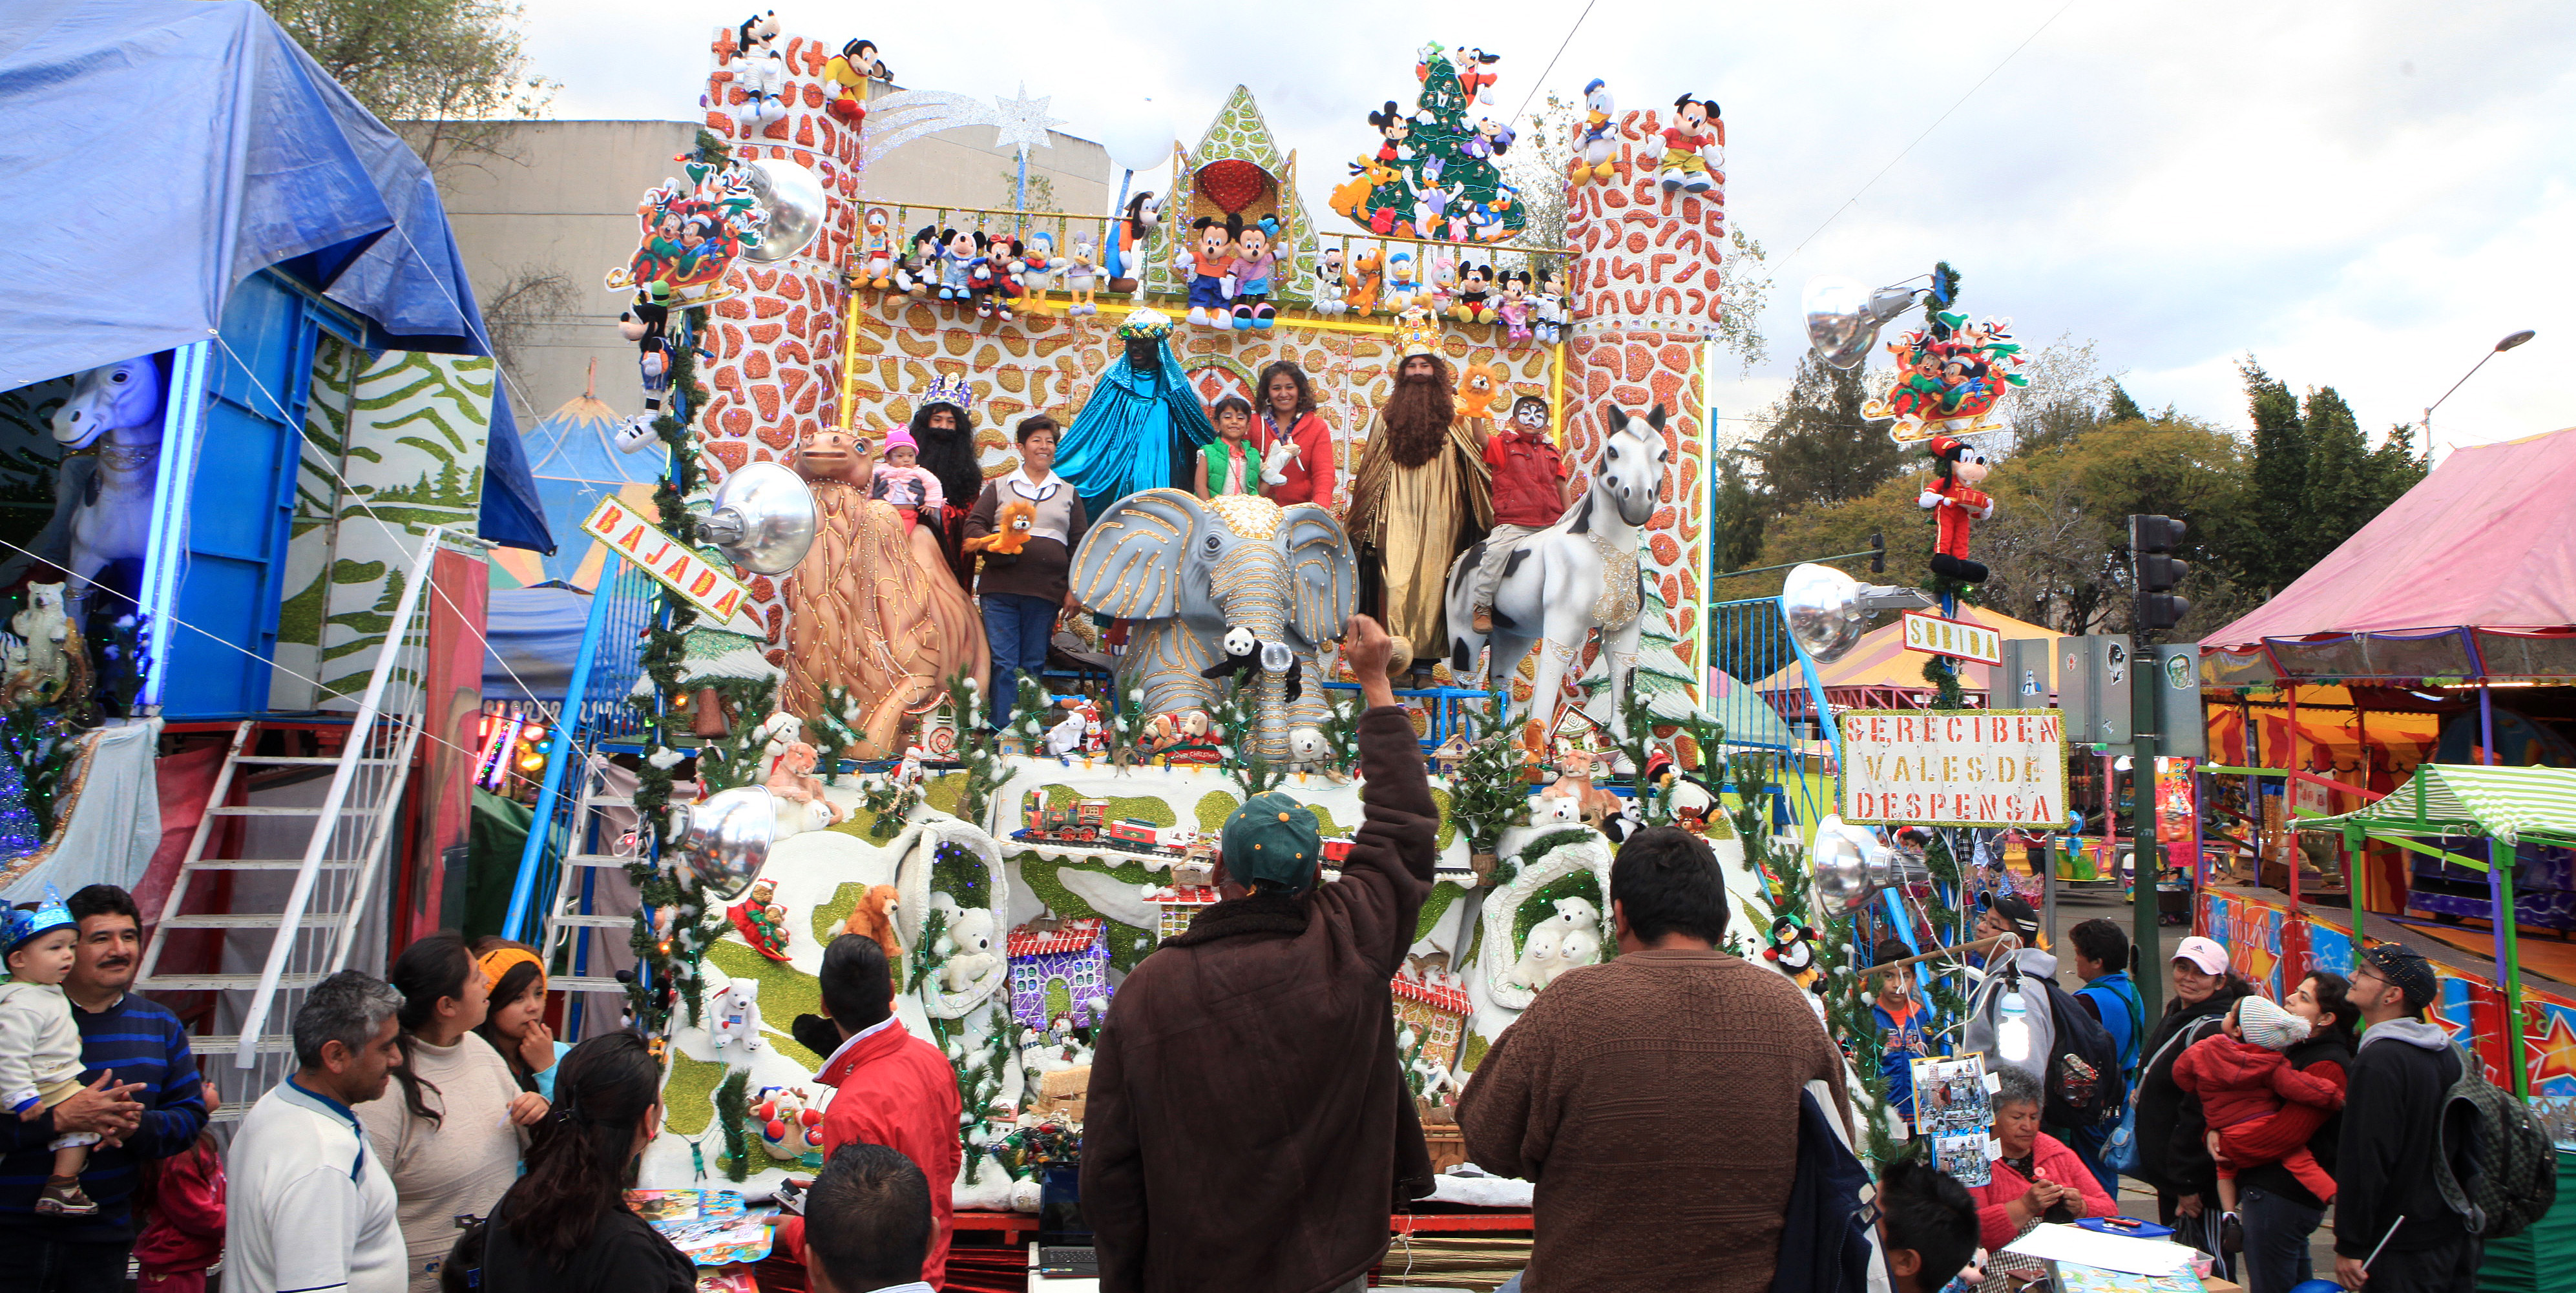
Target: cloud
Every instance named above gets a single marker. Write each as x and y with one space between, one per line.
2363 195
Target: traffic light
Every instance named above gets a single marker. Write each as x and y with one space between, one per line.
2152 542
1877 552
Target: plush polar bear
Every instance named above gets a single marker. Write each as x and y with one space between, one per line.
733 1017
972 931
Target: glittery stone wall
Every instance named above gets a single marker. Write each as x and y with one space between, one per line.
777 345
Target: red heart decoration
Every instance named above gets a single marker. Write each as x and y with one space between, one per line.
1232 184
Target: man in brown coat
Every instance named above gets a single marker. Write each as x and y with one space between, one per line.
1653 1099
1248 1124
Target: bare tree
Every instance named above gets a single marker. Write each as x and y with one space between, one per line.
453 68
531 297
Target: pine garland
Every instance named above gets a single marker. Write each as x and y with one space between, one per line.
733 1115
1341 729
1487 794
977 749
834 727
1238 718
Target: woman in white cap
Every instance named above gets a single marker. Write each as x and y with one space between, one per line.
2179 1167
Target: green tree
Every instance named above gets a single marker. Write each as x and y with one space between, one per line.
1735 522
2121 408
448 69
2337 488
2280 481
1817 450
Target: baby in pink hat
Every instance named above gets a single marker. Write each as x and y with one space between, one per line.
900 479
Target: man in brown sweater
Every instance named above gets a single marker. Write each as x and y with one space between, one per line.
1653 1099
1249 1128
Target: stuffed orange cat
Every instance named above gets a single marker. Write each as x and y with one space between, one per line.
1010 531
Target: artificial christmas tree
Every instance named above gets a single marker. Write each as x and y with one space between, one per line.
1434 173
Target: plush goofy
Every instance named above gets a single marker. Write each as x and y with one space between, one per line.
1956 503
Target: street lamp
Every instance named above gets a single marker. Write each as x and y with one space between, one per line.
2508 343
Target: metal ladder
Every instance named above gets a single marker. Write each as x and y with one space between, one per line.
571 917
568 930
308 932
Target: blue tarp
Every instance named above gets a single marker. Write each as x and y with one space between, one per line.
530 639
165 150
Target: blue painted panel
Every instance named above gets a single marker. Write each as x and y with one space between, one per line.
239 501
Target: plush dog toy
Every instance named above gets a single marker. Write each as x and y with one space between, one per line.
1365 275
1010 530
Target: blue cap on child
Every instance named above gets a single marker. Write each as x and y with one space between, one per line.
47 916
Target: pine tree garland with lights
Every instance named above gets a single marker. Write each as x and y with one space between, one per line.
733 1119
1238 719
1341 728
834 727
978 750
1488 795
668 967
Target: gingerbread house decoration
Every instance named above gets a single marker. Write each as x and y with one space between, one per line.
1434 1005
1181 904
1060 969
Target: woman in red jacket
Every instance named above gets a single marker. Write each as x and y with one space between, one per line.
2037 1179
1288 413
182 1201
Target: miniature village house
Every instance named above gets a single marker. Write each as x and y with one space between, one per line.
1060 970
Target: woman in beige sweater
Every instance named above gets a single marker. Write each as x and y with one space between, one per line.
450 1129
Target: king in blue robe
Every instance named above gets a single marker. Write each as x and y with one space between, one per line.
1142 426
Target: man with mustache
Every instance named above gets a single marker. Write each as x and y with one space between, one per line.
142 1090
1421 494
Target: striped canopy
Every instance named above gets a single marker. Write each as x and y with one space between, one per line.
2509 805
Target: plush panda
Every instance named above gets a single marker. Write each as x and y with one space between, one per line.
1244 651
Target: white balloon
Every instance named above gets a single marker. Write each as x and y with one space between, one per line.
1140 139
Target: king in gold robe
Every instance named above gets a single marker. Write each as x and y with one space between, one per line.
1420 495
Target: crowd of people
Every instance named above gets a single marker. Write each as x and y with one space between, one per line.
1682 1113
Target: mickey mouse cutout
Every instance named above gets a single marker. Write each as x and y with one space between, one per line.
1244 651
1956 503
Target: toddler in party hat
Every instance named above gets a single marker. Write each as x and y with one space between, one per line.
40 1046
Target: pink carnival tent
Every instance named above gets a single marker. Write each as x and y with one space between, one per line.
2472 574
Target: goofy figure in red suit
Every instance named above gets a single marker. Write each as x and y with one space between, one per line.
1957 468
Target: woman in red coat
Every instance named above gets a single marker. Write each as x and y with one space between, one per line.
2036 1176
1288 413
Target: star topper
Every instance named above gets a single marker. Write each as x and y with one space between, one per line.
1023 121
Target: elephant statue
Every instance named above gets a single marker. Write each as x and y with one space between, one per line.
1280 581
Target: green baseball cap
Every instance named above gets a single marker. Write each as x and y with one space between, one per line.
1272 838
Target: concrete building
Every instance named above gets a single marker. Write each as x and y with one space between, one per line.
550 210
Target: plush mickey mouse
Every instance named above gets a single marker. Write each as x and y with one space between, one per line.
1793 950
1244 651
1957 468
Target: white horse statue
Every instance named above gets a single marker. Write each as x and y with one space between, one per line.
106 506
1575 576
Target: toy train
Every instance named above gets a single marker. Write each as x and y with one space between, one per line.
1086 823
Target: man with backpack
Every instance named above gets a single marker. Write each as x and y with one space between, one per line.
2386 1166
2102 961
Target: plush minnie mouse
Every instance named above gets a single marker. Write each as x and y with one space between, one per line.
1957 468
994 278
1255 262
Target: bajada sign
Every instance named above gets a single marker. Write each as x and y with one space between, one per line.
657 554
2004 767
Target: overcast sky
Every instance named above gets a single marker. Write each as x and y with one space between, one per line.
2364 195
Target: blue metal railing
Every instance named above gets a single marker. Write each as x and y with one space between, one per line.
1750 641
603 672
